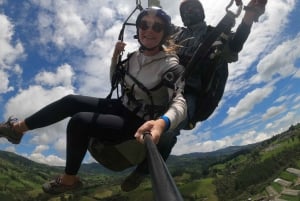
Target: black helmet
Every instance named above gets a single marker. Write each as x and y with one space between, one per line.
160 13
194 15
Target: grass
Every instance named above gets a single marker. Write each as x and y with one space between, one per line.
145 195
103 193
35 192
279 147
288 176
290 198
203 188
87 199
277 187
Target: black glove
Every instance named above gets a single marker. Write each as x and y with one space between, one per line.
257 6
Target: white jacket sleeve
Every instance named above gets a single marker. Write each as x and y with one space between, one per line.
177 111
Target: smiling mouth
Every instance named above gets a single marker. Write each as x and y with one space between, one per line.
149 37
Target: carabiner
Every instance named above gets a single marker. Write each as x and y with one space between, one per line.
239 4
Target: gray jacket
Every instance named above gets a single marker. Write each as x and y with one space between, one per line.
161 76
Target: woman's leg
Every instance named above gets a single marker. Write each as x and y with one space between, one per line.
105 127
67 106
60 109
81 127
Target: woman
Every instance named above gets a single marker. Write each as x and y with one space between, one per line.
152 101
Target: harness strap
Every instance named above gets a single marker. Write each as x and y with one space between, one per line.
145 89
118 73
118 77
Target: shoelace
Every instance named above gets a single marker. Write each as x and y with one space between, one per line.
57 181
10 122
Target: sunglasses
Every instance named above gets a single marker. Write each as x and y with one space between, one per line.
156 27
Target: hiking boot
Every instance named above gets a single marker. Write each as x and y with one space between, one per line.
56 187
7 131
132 181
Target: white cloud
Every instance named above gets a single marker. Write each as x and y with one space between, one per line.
281 99
282 123
32 99
74 27
4 83
11 149
269 126
40 148
38 156
296 107
61 23
63 76
50 160
77 23
190 143
263 37
280 62
93 28
60 145
246 104
297 74
297 99
273 111
10 52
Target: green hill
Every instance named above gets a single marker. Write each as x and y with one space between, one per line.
262 171
248 175
21 179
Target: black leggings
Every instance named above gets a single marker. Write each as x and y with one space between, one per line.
104 119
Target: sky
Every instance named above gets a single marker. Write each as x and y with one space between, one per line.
49 49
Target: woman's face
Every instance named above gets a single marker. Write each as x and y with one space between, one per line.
151 31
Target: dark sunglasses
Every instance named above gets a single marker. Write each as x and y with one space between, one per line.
156 27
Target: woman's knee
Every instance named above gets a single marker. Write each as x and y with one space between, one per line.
68 99
77 122
77 133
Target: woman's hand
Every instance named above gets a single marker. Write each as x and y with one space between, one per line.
119 47
154 127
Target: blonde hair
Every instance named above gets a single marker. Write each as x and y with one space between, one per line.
170 46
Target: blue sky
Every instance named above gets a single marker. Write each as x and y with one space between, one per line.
49 49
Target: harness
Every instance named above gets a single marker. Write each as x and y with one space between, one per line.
224 26
151 110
